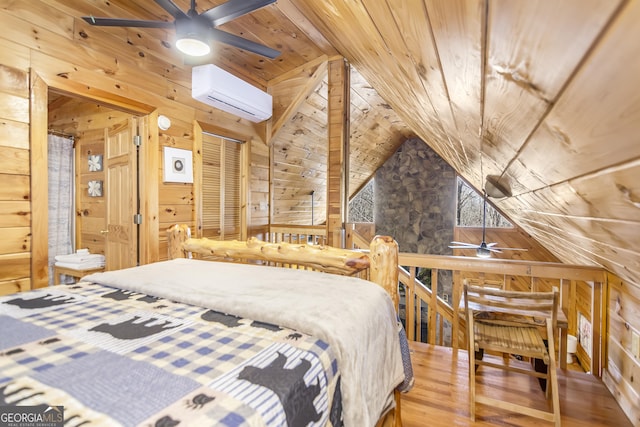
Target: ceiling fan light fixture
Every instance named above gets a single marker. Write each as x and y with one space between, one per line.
483 253
192 46
191 36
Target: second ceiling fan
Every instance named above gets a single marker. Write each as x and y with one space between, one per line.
196 30
483 249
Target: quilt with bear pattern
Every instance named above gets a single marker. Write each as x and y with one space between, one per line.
192 342
114 357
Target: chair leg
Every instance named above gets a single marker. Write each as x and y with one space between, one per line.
553 384
472 381
547 390
552 378
478 355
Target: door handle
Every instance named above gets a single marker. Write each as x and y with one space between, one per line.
103 232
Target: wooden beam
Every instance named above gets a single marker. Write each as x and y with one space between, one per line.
338 105
298 70
78 90
505 266
302 95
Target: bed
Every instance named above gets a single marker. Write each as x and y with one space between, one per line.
197 342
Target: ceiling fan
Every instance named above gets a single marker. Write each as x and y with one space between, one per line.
195 31
484 249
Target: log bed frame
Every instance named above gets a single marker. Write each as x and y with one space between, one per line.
381 261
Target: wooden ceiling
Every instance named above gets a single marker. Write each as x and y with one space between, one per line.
544 95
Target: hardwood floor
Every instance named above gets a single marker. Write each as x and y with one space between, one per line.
440 395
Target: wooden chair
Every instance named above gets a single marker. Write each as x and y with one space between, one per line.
484 282
510 322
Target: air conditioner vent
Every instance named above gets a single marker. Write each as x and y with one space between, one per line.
220 89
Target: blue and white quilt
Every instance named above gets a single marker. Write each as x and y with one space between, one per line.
114 356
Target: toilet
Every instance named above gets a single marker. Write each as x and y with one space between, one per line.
572 346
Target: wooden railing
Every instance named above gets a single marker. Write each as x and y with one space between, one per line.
432 289
312 234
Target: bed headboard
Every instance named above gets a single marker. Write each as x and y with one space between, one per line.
381 259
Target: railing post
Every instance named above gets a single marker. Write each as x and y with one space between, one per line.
409 304
177 235
383 254
433 307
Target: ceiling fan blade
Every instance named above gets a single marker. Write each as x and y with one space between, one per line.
464 247
116 22
173 10
244 44
233 9
508 249
464 243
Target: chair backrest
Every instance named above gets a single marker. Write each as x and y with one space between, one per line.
483 282
513 306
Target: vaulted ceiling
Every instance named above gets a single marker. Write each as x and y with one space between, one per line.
542 95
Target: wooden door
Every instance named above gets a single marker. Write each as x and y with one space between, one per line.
121 234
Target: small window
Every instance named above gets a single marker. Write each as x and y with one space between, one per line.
361 205
470 204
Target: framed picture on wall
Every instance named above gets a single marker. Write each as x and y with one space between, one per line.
177 165
95 162
584 333
95 188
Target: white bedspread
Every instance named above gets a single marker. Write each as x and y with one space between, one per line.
354 316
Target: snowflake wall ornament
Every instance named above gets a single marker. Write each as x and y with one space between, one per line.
95 188
95 162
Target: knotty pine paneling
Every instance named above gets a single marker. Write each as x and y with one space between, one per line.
299 165
143 71
461 64
376 131
258 203
15 190
622 367
13 286
421 52
90 216
15 214
15 272
591 112
176 201
15 240
14 134
519 89
14 161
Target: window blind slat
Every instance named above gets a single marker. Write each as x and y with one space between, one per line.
220 188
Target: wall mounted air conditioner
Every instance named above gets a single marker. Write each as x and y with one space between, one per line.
218 88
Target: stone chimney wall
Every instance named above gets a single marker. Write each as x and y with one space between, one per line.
415 199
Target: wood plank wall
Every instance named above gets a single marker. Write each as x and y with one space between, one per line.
15 193
72 59
623 366
299 164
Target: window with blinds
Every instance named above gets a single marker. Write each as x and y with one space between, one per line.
221 192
